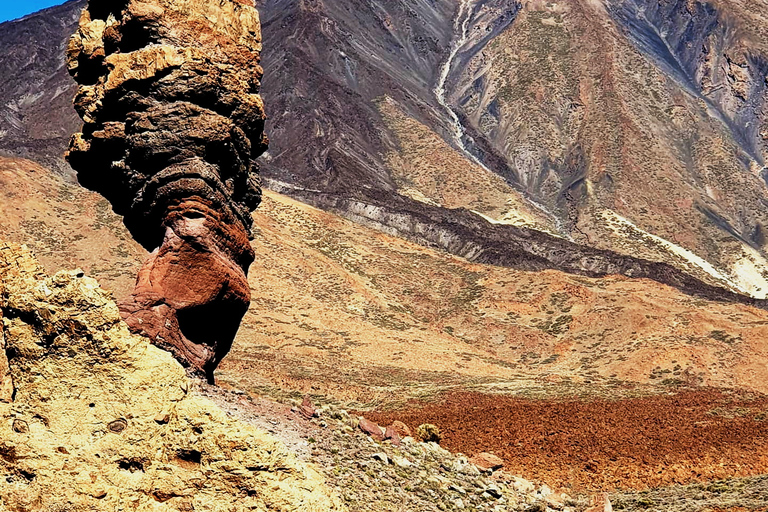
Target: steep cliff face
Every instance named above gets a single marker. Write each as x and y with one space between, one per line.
100 419
169 94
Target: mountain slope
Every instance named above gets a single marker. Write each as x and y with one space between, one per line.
36 114
632 120
644 138
357 314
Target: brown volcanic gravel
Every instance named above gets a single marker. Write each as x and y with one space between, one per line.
596 445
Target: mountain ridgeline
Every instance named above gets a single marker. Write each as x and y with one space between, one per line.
591 136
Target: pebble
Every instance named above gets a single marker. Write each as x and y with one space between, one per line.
381 457
493 491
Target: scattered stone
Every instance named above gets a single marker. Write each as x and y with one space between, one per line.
117 426
20 426
545 491
307 409
163 418
402 462
555 504
392 434
382 457
487 461
522 485
600 504
493 491
401 428
372 429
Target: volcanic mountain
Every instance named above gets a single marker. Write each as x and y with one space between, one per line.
537 198
505 132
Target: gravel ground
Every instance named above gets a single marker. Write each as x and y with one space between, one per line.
416 476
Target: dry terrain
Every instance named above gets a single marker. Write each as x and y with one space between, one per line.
353 316
603 445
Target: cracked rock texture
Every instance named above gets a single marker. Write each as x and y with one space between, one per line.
103 420
169 94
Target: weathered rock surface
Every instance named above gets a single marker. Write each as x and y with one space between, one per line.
102 420
487 461
173 121
372 429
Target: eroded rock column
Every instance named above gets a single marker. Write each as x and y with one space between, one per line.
173 120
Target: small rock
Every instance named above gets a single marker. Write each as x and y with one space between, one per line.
457 488
458 503
372 429
462 466
401 429
307 409
555 504
381 457
163 418
117 426
493 491
487 461
522 485
99 494
602 504
392 435
401 462
20 426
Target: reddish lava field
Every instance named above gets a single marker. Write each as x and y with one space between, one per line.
595 445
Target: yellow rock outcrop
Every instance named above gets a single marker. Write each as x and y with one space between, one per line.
99 419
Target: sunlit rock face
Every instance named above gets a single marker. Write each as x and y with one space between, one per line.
98 419
173 120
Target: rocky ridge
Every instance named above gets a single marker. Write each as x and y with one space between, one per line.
99 418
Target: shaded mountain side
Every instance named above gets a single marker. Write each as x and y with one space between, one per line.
36 114
333 60
634 117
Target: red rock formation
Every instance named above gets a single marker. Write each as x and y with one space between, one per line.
372 429
173 122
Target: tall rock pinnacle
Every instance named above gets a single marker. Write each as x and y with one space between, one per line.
173 120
